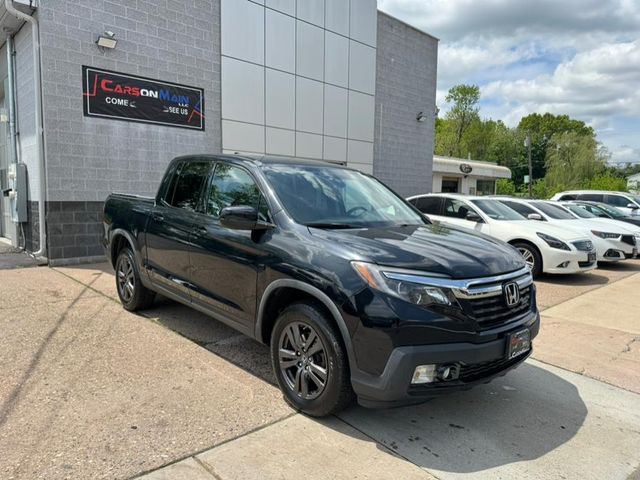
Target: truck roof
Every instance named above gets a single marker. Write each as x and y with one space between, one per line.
258 159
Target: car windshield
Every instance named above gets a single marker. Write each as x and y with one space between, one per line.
636 198
579 210
330 197
497 210
613 211
553 211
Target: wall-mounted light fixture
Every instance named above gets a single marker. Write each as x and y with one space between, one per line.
421 117
107 40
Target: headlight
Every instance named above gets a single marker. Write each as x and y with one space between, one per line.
404 285
553 242
605 234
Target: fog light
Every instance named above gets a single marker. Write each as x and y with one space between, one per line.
424 374
563 265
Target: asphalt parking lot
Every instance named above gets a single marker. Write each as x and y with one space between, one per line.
92 391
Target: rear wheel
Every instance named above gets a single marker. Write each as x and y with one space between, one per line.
309 361
133 295
531 257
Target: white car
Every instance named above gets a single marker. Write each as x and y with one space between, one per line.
627 202
614 241
545 247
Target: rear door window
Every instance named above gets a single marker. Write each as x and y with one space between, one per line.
591 197
428 205
188 185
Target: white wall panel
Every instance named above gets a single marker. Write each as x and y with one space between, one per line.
335 111
360 152
243 87
242 137
362 68
336 59
361 116
280 142
242 30
364 21
337 16
309 105
335 149
308 145
286 6
311 11
280 41
280 99
310 51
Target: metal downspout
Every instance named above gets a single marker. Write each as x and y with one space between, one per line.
12 101
35 43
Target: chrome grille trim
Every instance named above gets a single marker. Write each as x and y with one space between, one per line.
468 288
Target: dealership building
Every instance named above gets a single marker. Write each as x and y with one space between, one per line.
97 97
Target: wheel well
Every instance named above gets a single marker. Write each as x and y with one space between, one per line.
280 299
532 245
117 244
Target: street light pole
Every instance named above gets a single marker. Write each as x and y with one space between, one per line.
528 144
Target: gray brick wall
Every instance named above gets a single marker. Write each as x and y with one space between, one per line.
405 86
177 41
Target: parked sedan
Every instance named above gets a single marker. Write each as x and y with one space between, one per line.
602 210
627 202
614 241
545 247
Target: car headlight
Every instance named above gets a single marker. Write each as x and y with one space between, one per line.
553 242
410 287
605 234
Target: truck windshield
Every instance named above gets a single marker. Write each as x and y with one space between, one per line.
329 197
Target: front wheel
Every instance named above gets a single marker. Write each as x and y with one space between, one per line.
531 257
309 361
132 293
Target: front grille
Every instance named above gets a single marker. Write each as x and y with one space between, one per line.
493 310
476 371
629 240
584 245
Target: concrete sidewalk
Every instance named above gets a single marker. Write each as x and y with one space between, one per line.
92 391
596 334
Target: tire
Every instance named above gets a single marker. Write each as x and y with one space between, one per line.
132 293
300 376
531 256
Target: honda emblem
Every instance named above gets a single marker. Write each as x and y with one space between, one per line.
511 294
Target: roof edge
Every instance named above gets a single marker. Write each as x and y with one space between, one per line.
380 12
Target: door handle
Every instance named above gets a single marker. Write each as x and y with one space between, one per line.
201 230
158 217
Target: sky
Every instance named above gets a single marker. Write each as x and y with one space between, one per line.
574 57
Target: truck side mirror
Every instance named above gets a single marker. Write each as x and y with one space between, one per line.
242 217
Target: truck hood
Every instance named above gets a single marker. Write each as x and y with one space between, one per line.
429 248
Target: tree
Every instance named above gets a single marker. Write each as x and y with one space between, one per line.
463 113
608 182
572 161
505 187
542 128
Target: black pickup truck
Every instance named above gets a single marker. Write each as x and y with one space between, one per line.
352 288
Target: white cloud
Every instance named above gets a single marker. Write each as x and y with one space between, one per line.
575 57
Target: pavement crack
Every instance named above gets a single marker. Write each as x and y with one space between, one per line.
627 347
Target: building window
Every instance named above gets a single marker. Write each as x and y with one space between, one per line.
485 187
450 185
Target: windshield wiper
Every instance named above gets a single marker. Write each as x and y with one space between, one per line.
330 225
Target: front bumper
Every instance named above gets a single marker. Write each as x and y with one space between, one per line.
393 387
561 261
614 250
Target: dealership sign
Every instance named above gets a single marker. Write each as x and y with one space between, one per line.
138 99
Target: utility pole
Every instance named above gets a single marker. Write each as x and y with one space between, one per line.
527 143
